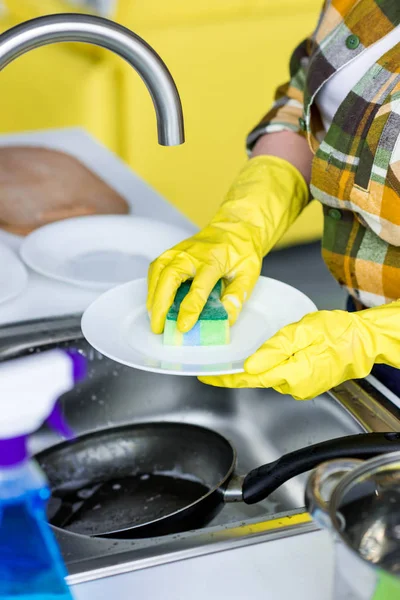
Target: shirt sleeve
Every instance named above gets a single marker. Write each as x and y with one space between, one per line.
287 109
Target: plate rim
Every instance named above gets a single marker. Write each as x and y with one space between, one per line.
23 273
25 256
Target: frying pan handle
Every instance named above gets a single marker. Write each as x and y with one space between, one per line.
261 482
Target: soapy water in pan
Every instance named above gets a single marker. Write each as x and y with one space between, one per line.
113 480
97 509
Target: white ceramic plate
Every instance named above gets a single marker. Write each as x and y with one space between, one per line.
118 326
13 275
98 252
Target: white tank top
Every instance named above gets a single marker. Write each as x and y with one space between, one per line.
335 90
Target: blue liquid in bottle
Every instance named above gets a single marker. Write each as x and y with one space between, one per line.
31 567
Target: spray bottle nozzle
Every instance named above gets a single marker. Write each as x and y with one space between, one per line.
79 365
56 419
29 389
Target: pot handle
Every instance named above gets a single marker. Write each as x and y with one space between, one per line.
261 482
320 485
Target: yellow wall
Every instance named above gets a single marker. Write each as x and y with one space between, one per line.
227 57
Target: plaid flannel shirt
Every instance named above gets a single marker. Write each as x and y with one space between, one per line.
356 165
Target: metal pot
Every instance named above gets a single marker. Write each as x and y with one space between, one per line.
359 502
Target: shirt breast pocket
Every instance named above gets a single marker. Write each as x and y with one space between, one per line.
376 191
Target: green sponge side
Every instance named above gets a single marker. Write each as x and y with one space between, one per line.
213 309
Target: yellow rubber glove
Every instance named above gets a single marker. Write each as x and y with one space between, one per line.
322 350
262 203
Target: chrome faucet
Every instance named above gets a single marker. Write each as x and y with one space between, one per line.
107 34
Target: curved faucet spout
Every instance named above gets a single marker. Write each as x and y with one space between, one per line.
107 34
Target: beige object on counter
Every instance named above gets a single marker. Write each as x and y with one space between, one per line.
40 186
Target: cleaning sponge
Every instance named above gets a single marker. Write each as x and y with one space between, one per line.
212 328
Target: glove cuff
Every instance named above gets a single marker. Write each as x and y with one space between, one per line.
268 195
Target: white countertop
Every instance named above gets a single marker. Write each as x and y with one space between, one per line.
295 568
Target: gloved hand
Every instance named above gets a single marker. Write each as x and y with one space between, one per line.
263 202
322 350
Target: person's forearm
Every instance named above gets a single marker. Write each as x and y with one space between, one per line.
289 146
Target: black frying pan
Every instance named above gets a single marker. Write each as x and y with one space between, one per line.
154 479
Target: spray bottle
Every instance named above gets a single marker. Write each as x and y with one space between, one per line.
31 567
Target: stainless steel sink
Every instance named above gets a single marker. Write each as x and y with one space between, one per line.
261 424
